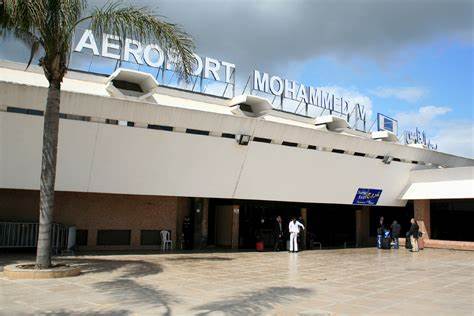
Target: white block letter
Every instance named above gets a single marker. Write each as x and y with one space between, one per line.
136 52
147 56
273 89
84 43
106 45
212 67
260 82
302 94
228 70
290 89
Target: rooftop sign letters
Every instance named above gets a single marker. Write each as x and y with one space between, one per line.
150 57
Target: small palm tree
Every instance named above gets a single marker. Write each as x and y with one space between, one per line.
48 26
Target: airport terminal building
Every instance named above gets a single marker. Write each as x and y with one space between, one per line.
135 158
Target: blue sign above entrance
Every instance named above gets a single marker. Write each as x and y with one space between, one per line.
367 196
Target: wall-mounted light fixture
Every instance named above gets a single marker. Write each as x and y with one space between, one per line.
242 139
387 159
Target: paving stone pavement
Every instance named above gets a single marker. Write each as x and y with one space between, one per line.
322 282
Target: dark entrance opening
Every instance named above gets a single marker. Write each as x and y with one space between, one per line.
402 215
334 226
257 219
452 219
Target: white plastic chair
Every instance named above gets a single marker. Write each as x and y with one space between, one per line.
166 240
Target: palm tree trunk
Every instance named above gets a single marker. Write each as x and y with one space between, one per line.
48 175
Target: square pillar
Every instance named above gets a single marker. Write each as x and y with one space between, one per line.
362 226
422 215
304 216
201 216
235 226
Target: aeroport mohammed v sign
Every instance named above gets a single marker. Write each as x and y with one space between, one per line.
152 55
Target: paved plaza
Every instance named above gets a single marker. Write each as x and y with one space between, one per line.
327 282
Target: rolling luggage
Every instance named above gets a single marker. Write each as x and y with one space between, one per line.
408 243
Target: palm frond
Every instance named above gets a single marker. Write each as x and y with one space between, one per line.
142 24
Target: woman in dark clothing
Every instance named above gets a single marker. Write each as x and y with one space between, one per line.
395 233
413 233
380 231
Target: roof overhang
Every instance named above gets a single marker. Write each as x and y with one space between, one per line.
250 105
449 183
146 81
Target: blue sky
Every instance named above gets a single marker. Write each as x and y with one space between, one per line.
411 60
429 86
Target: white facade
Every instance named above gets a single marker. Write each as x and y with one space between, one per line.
97 157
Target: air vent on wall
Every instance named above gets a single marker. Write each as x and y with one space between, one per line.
385 136
250 105
131 84
332 123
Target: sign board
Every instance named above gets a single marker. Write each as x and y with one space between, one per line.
419 137
367 196
219 75
385 123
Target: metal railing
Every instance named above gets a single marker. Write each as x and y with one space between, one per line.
25 235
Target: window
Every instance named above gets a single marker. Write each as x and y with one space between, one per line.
12 109
113 237
81 237
262 140
290 144
228 135
359 154
160 127
196 132
338 151
150 237
312 147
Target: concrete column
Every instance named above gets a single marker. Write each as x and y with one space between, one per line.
304 215
362 226
201 217
235 226
422 215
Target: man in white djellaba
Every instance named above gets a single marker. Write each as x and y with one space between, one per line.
294 229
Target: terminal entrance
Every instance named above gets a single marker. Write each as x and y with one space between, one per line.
328 225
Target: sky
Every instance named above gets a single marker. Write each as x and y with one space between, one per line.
412 60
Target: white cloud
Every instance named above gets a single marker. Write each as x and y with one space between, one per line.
452 136
456 138
409 94
353 95
422 118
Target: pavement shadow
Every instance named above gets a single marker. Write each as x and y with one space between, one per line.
199 259
253 302
66 312
131 268
137 295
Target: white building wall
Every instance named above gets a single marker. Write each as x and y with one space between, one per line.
95 157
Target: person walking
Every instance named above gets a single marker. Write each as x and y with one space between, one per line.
294 229
395 228
380 231
187 233
414 233
277 234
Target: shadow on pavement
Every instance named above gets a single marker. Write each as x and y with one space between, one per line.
131 268
199 259
137 295
65 312
252 303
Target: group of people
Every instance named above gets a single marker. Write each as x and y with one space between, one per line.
387 235
294 229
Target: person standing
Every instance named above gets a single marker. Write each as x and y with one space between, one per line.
395 228
294 229
277 234
414 233
380 231
187 233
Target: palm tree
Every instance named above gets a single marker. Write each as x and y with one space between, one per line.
48 27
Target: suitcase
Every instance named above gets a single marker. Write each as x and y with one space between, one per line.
421 243
386 243
408 243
